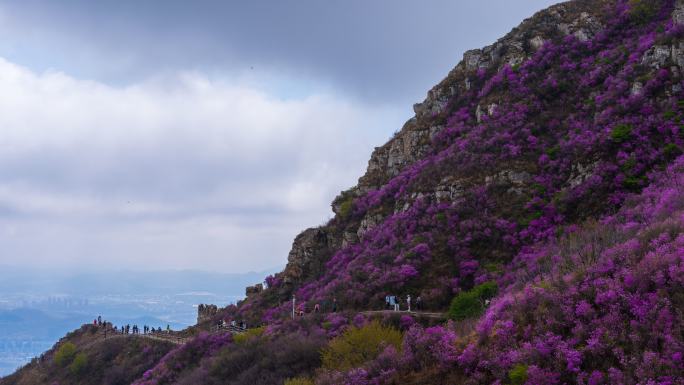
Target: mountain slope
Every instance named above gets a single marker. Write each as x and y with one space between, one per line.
85 356
555 123
536 196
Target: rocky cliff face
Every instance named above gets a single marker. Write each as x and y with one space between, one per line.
205 313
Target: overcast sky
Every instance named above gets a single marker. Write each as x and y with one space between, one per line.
206 134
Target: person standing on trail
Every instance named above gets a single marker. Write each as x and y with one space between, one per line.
393 302
317 308
334 306
408 302
168 329
99 320
95 322
419 303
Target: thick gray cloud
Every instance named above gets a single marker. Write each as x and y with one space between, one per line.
379 50
205 134
184 172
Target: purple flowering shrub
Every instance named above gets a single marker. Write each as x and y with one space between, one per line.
261 358
612 318
599 305
429 347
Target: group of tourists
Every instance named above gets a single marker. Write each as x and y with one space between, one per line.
393 302
223 324
128 329
135 329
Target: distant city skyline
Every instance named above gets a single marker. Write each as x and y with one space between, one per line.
206 135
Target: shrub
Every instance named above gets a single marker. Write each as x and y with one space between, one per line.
346 203
493 267
359 345
642 11
263 361
465 305
552 152
79 364
65 354
671 150
248 335
346 207
633 183
471 303
669 115
621 133
299 381
434 346
486 290
518 374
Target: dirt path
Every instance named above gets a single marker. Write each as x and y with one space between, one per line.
413 313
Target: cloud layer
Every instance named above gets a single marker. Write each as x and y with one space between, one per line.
387 50
179 171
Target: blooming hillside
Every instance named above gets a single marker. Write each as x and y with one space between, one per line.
566 134
600 304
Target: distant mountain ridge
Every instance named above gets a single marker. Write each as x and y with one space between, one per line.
15 279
